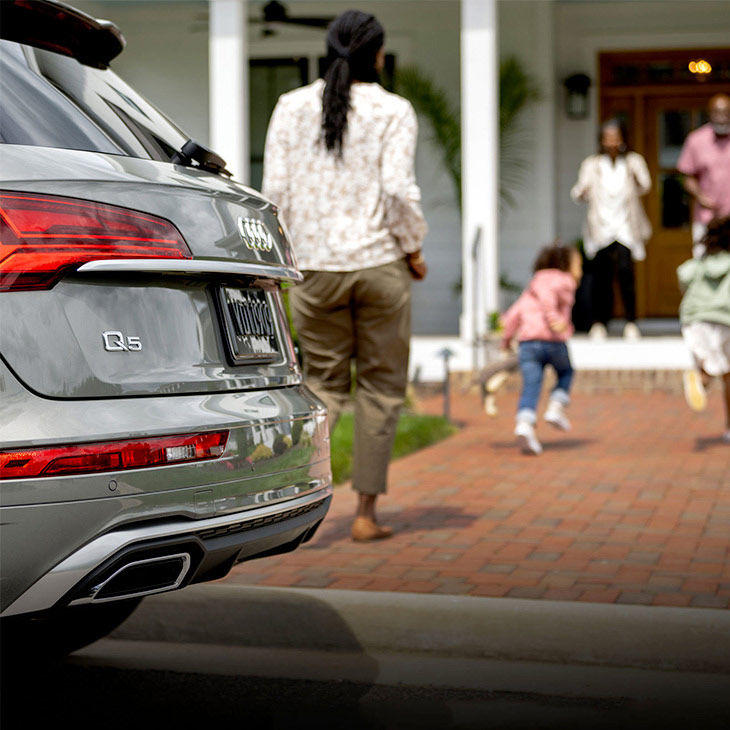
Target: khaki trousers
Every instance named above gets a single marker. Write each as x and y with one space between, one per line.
363 316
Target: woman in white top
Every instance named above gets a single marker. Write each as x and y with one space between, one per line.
339 163
616 227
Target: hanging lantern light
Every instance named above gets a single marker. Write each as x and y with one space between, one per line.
576 102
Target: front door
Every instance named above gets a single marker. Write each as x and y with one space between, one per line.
669 121
661 101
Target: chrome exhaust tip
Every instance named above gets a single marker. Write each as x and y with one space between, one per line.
140 578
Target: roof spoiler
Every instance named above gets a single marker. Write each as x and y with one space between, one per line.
55 26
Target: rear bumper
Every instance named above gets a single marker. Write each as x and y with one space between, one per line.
112 566
265 493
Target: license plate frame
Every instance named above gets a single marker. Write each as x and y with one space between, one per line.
249 325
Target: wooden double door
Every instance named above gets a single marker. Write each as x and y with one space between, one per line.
659 117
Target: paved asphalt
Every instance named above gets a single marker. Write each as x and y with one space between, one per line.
297 658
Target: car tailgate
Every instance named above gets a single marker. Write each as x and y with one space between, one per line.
145 326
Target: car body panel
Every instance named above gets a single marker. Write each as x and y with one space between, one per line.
69 511
66 539
204 207
223 540
253 417
54 340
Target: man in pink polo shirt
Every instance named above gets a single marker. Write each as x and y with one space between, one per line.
705 162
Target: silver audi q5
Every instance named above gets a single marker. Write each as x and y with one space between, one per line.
154 428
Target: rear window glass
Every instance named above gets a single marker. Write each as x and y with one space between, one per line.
34 112
51 100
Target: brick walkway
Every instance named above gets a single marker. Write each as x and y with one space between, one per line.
632 506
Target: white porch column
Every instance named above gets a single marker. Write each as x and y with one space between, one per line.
545 208
228 80
479 164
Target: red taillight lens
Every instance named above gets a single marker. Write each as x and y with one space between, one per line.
43 235
112 456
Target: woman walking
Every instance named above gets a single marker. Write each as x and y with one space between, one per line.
616 227
339 162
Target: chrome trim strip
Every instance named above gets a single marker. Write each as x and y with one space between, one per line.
194 266
61 579
95 590
276 495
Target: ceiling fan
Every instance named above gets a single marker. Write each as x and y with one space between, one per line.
276 12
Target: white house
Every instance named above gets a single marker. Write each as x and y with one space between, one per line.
189 57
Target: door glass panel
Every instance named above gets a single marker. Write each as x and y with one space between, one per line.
626 74
674 126
660 72
268 79
675 206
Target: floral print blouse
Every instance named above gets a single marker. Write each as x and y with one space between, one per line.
355 212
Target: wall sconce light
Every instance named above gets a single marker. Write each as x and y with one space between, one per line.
576 103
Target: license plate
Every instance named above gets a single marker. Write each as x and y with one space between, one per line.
248 324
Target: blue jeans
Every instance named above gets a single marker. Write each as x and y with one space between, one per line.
534 356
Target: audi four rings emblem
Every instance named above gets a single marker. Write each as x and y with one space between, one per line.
255 234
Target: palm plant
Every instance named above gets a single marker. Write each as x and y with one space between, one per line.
431 102
517 89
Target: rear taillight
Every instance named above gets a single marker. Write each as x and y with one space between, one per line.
111 455
42 236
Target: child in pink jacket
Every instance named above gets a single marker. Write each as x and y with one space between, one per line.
540 320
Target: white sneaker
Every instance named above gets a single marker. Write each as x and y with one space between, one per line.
694 390
555 415
527 439
598 331
631 331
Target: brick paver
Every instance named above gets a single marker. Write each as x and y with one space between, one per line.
632 506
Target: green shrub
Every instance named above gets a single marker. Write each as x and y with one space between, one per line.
414 432
261 452
279 445
296 432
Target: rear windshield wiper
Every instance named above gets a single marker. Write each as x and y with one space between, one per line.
194 154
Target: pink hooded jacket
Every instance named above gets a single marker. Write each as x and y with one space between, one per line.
547 300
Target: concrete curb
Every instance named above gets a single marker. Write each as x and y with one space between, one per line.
607 635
